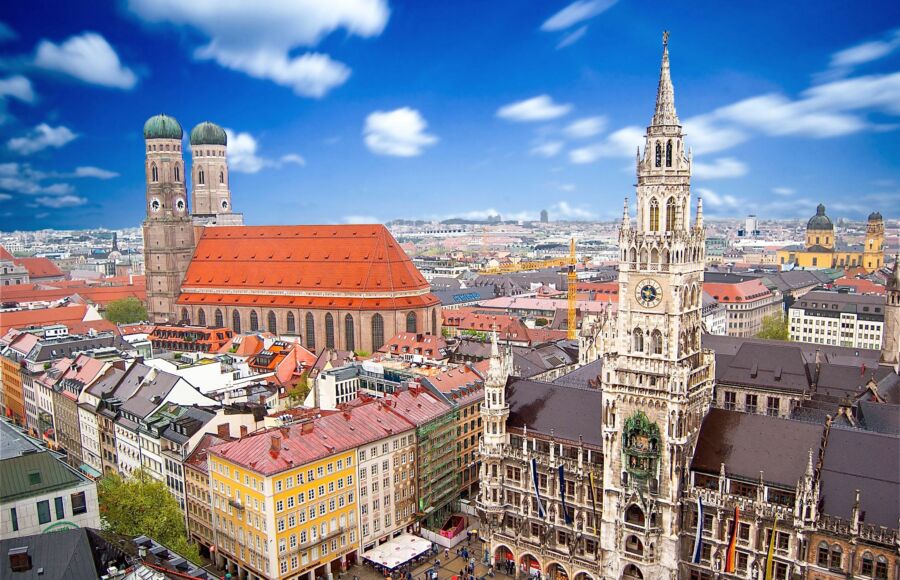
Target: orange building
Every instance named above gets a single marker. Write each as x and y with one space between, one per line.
179 337
13 396
347 287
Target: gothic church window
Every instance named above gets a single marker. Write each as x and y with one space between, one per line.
669 153
154 174
657 342
310 331
185 317
411 322
291 323
220 322
177 174
254 321
221 177
272 323
658 154
670 214
638 340
201 317
377 332
634 515
329 331
236 321
348 333
654 215
201 179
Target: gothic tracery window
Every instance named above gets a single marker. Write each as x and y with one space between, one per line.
349 338
291 323
201 179
154 174
654 215
329 331
638 341
658 154
236 321
669 153
254 321
201 317
272 323
377 332
220 322
310 331
411 325
670 214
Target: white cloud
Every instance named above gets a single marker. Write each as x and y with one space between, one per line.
58 189
572 37
576 12
705 135
844 61
243 158
17 86
400 133
88 58
61 201
783 191
547 149
259 38
5 197
96 172
21 179
621 143
565 210
717 201
40 138
721 168
540 108
587 127
361 219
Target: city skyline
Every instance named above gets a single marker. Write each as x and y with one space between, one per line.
326 126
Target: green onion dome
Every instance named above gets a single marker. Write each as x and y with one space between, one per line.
162 127
207 133
875 217
820 221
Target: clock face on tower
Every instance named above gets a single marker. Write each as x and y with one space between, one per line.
648 293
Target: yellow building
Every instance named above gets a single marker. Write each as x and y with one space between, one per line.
285 501
822 250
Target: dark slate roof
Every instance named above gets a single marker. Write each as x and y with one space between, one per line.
748 444
842 381
570 412
53 348
761 365
869 462
14 443
61 555
464 295
832 354
144 400
880 417
583 376
529 361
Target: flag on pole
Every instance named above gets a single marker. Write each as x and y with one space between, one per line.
593 500
698 540
562 494
732 544
537 493
770 562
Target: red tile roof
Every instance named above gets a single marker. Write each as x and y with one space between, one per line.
40 268
333 260
276 450
43 316
508 327
861 285
52 291
746 291
456 378
428 345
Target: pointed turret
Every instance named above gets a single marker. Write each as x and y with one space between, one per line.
699 223
626 219
496 375
893 282
665 94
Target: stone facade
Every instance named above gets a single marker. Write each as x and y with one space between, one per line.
890 343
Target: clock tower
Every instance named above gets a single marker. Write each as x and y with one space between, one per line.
657 380
168 230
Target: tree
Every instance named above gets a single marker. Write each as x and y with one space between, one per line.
126 311
142 505
774 327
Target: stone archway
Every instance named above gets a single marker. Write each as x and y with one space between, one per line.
632 572
582 575
529 566
556 571
502 555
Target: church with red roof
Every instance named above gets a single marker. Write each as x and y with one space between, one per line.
346 287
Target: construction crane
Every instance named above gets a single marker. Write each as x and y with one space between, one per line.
569 263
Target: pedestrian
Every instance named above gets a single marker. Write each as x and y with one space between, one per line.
446 553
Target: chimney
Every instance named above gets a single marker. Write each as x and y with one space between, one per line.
19 559
243 431
276 443
223 430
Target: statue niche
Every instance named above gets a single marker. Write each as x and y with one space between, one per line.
640 446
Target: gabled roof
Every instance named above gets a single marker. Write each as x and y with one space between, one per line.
748 290
62 555
563 411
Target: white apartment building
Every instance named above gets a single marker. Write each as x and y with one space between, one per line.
839 319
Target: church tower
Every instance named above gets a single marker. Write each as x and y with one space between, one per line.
656 380
890 341
873 251
210 194
495 441
168 231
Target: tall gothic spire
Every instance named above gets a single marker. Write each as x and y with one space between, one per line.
495 369
699 221
894 280
626 219
665 95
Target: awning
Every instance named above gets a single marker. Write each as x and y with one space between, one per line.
90 471
397 551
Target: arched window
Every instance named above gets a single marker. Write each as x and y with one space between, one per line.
867 568
220 322
348 333
291 323
669 153
177 173
221 177
654 215
638 342
201 178
201 317
329 331
822 555
634 515
377 332
184 316
632 572
310 331
881 568
411 325
657 342
434 322
634 545
670 214
836 556
272 323
658 154
154 173
236 321
254 321
632 255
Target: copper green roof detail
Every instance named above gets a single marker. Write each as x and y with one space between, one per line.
162 127
820 221
875 217
207 133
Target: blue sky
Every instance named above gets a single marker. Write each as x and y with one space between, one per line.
369 110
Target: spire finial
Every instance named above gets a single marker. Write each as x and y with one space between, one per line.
665 95
699 223
626 218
